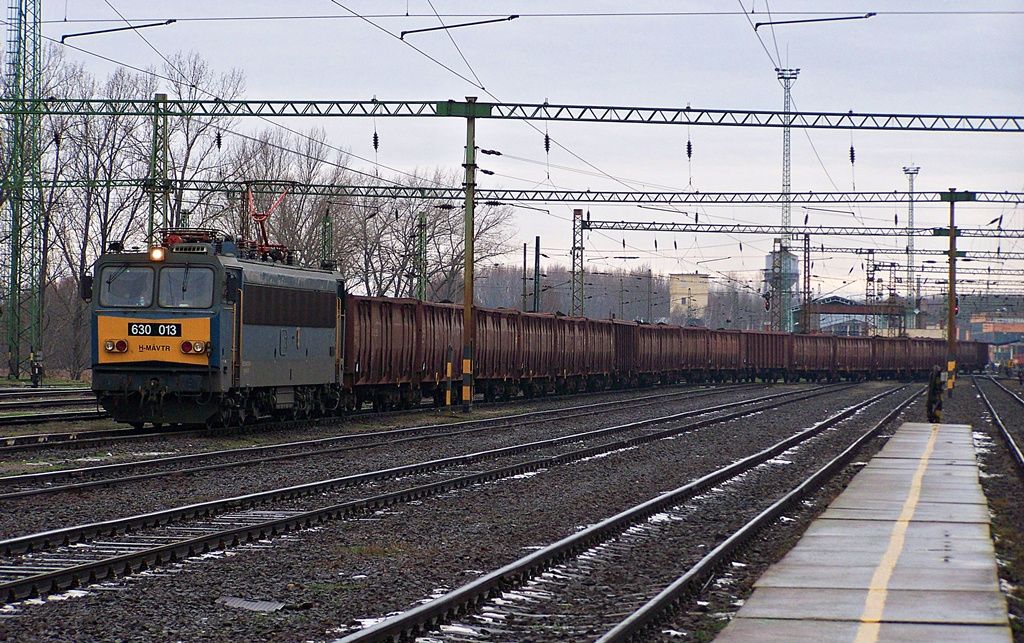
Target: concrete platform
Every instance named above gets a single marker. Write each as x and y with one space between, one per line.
903 554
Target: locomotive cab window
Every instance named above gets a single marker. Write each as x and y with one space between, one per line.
126 286
186 287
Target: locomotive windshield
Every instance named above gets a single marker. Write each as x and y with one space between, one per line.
186 287
126 286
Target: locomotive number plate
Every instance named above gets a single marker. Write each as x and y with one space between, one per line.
154 330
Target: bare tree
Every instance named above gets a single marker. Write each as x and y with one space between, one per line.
196 143
276 165
99 152
733 305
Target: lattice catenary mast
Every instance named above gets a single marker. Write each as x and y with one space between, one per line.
911 171
21 219
782 318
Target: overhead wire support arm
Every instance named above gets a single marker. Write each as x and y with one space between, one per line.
131 28
461 24
794 22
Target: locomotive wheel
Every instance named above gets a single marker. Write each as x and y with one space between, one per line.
216 421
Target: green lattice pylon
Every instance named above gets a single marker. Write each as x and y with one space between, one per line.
22 213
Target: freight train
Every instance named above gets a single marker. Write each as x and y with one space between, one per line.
208 329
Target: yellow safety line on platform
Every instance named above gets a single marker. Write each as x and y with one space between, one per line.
870 619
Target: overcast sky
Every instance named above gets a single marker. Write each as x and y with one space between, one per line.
919 57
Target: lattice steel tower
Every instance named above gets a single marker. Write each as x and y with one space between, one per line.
22 216
577 263
911 171
784 295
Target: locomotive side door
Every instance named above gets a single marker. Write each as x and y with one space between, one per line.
233 295
339 333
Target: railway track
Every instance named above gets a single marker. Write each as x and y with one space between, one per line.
12 393
20 407
95 438
55 560
61 480
1012 435
533 597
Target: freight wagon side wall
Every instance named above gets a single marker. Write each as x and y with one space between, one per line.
767 353
382 341
599 347
626 347
538 345
728 352
496 353
440 328
570 347
812 355
853 355
695 351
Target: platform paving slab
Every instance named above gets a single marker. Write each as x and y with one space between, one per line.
760 630
903 554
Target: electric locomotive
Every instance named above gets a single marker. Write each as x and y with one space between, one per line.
206 329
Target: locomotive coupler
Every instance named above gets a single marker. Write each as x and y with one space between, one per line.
152 394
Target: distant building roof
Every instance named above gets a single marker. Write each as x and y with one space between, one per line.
836 299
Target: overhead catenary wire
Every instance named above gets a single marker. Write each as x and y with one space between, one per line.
539 15
691 172
156 74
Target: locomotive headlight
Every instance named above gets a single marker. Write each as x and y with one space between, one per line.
108 346
188 347
115 346
157 253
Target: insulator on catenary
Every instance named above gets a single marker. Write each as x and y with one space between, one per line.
376 141
689 150
547 143
219 140
852 155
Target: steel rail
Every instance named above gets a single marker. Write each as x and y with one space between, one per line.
102 437
40 418
420 619
83 533
1011 444
63 579
633 626
358 441
42 392
12 405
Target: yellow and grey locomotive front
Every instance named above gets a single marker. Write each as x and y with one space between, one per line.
158 323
